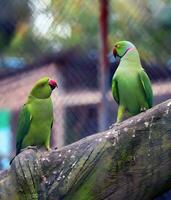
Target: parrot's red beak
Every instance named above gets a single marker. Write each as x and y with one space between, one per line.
114 52
52 84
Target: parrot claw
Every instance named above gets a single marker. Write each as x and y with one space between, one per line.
114 125
30 147
111 126
48 148
143 109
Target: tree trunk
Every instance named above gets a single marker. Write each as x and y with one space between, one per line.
130 161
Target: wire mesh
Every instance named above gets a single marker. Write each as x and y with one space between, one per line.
61 39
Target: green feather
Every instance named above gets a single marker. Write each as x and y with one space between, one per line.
147 87
22 127
36 118
131 87
115 90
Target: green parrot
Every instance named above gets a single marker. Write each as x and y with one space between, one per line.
131 87
36 117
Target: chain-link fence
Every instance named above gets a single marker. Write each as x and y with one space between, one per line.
61 39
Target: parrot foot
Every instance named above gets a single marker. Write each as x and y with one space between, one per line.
48 148
30 147
143 109
114 125
111 126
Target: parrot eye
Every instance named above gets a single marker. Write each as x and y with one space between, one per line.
41 84
117 45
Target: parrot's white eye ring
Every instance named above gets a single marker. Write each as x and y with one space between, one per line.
117 45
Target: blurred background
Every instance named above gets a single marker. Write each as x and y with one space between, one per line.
71 41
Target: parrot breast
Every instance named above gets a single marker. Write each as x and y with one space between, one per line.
39 133
131 94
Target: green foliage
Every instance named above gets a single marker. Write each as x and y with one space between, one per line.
81 17
140 22
70 23
13 13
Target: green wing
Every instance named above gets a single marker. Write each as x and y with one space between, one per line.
115 91
145 81
22 127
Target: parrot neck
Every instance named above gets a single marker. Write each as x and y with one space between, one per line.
131 55
33 97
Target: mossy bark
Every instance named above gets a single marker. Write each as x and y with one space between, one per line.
130 161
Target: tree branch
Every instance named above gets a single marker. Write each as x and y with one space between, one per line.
130 161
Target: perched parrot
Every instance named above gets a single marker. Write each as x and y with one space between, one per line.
36 116
131 87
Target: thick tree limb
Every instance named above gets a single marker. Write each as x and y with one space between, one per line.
130 161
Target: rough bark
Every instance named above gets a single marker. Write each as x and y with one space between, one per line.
130 161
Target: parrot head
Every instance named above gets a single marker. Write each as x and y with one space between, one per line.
43 88
121 48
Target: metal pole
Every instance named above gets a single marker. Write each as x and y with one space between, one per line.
103 71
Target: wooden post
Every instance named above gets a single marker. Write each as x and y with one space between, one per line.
130 161
103 71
